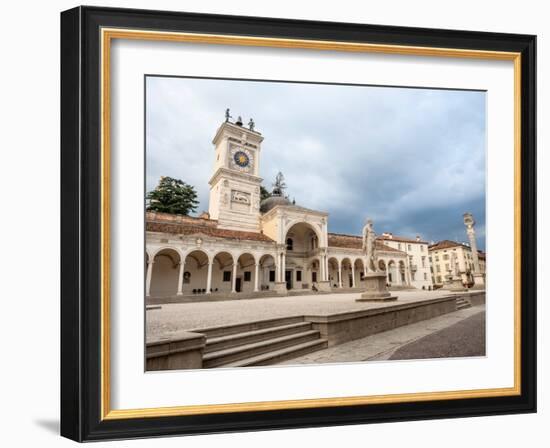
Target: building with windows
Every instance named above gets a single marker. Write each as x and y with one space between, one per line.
246 245
447 255
418 261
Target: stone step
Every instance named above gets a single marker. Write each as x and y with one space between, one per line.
223 357
463 305
226 330
281 355
249 337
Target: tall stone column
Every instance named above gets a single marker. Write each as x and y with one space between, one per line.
209 277
148 277
353 275
180 278
340 274
469 222
234 278
257 278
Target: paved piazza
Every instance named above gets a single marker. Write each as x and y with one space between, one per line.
187 316
449 335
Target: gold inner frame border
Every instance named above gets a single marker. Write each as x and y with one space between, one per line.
107 35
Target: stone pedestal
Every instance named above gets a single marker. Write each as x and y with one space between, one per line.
323 286
280 288
479 282
375 288
454 284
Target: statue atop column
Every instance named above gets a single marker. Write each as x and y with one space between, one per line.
227 115
368 245
469 222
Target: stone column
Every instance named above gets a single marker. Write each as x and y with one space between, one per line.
353 275
257 278
180 278
469 222
340 274
283 267
209 277
234 278
148 277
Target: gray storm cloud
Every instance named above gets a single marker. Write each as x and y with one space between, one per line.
412 159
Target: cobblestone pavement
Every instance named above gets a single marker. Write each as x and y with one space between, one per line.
421 336
465 338
186 316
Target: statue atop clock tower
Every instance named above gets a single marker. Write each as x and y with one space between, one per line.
235 183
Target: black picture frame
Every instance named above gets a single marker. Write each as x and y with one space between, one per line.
81 210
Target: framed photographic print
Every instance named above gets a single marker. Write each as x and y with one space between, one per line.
273 223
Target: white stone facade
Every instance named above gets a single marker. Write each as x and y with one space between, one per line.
442 255
418 261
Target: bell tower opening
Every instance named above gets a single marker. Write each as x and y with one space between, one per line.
235 183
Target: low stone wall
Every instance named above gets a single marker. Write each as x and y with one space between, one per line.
344 327
182 351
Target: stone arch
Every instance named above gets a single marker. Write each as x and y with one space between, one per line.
246 272
392 272
333 269
268 272
165 274
297 222
222 271
313 272
347 278
195 275
359 270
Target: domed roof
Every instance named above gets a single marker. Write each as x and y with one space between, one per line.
272 201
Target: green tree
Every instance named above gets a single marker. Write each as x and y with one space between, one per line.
264 194
172 196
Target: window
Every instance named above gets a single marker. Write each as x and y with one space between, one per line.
423 261
298 276
446 256
447 268
271 276
409 247
436 258
289 244
439 279
425 276
399 246
247 276
421 248
438 268
314 277
226 276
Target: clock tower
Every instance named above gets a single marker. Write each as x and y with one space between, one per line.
235 184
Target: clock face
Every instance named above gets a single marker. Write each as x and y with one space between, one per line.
241 159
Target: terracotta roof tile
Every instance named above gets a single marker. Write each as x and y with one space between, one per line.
187 225
400 239
354 242
446 244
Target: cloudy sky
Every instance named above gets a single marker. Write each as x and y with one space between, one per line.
413 160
